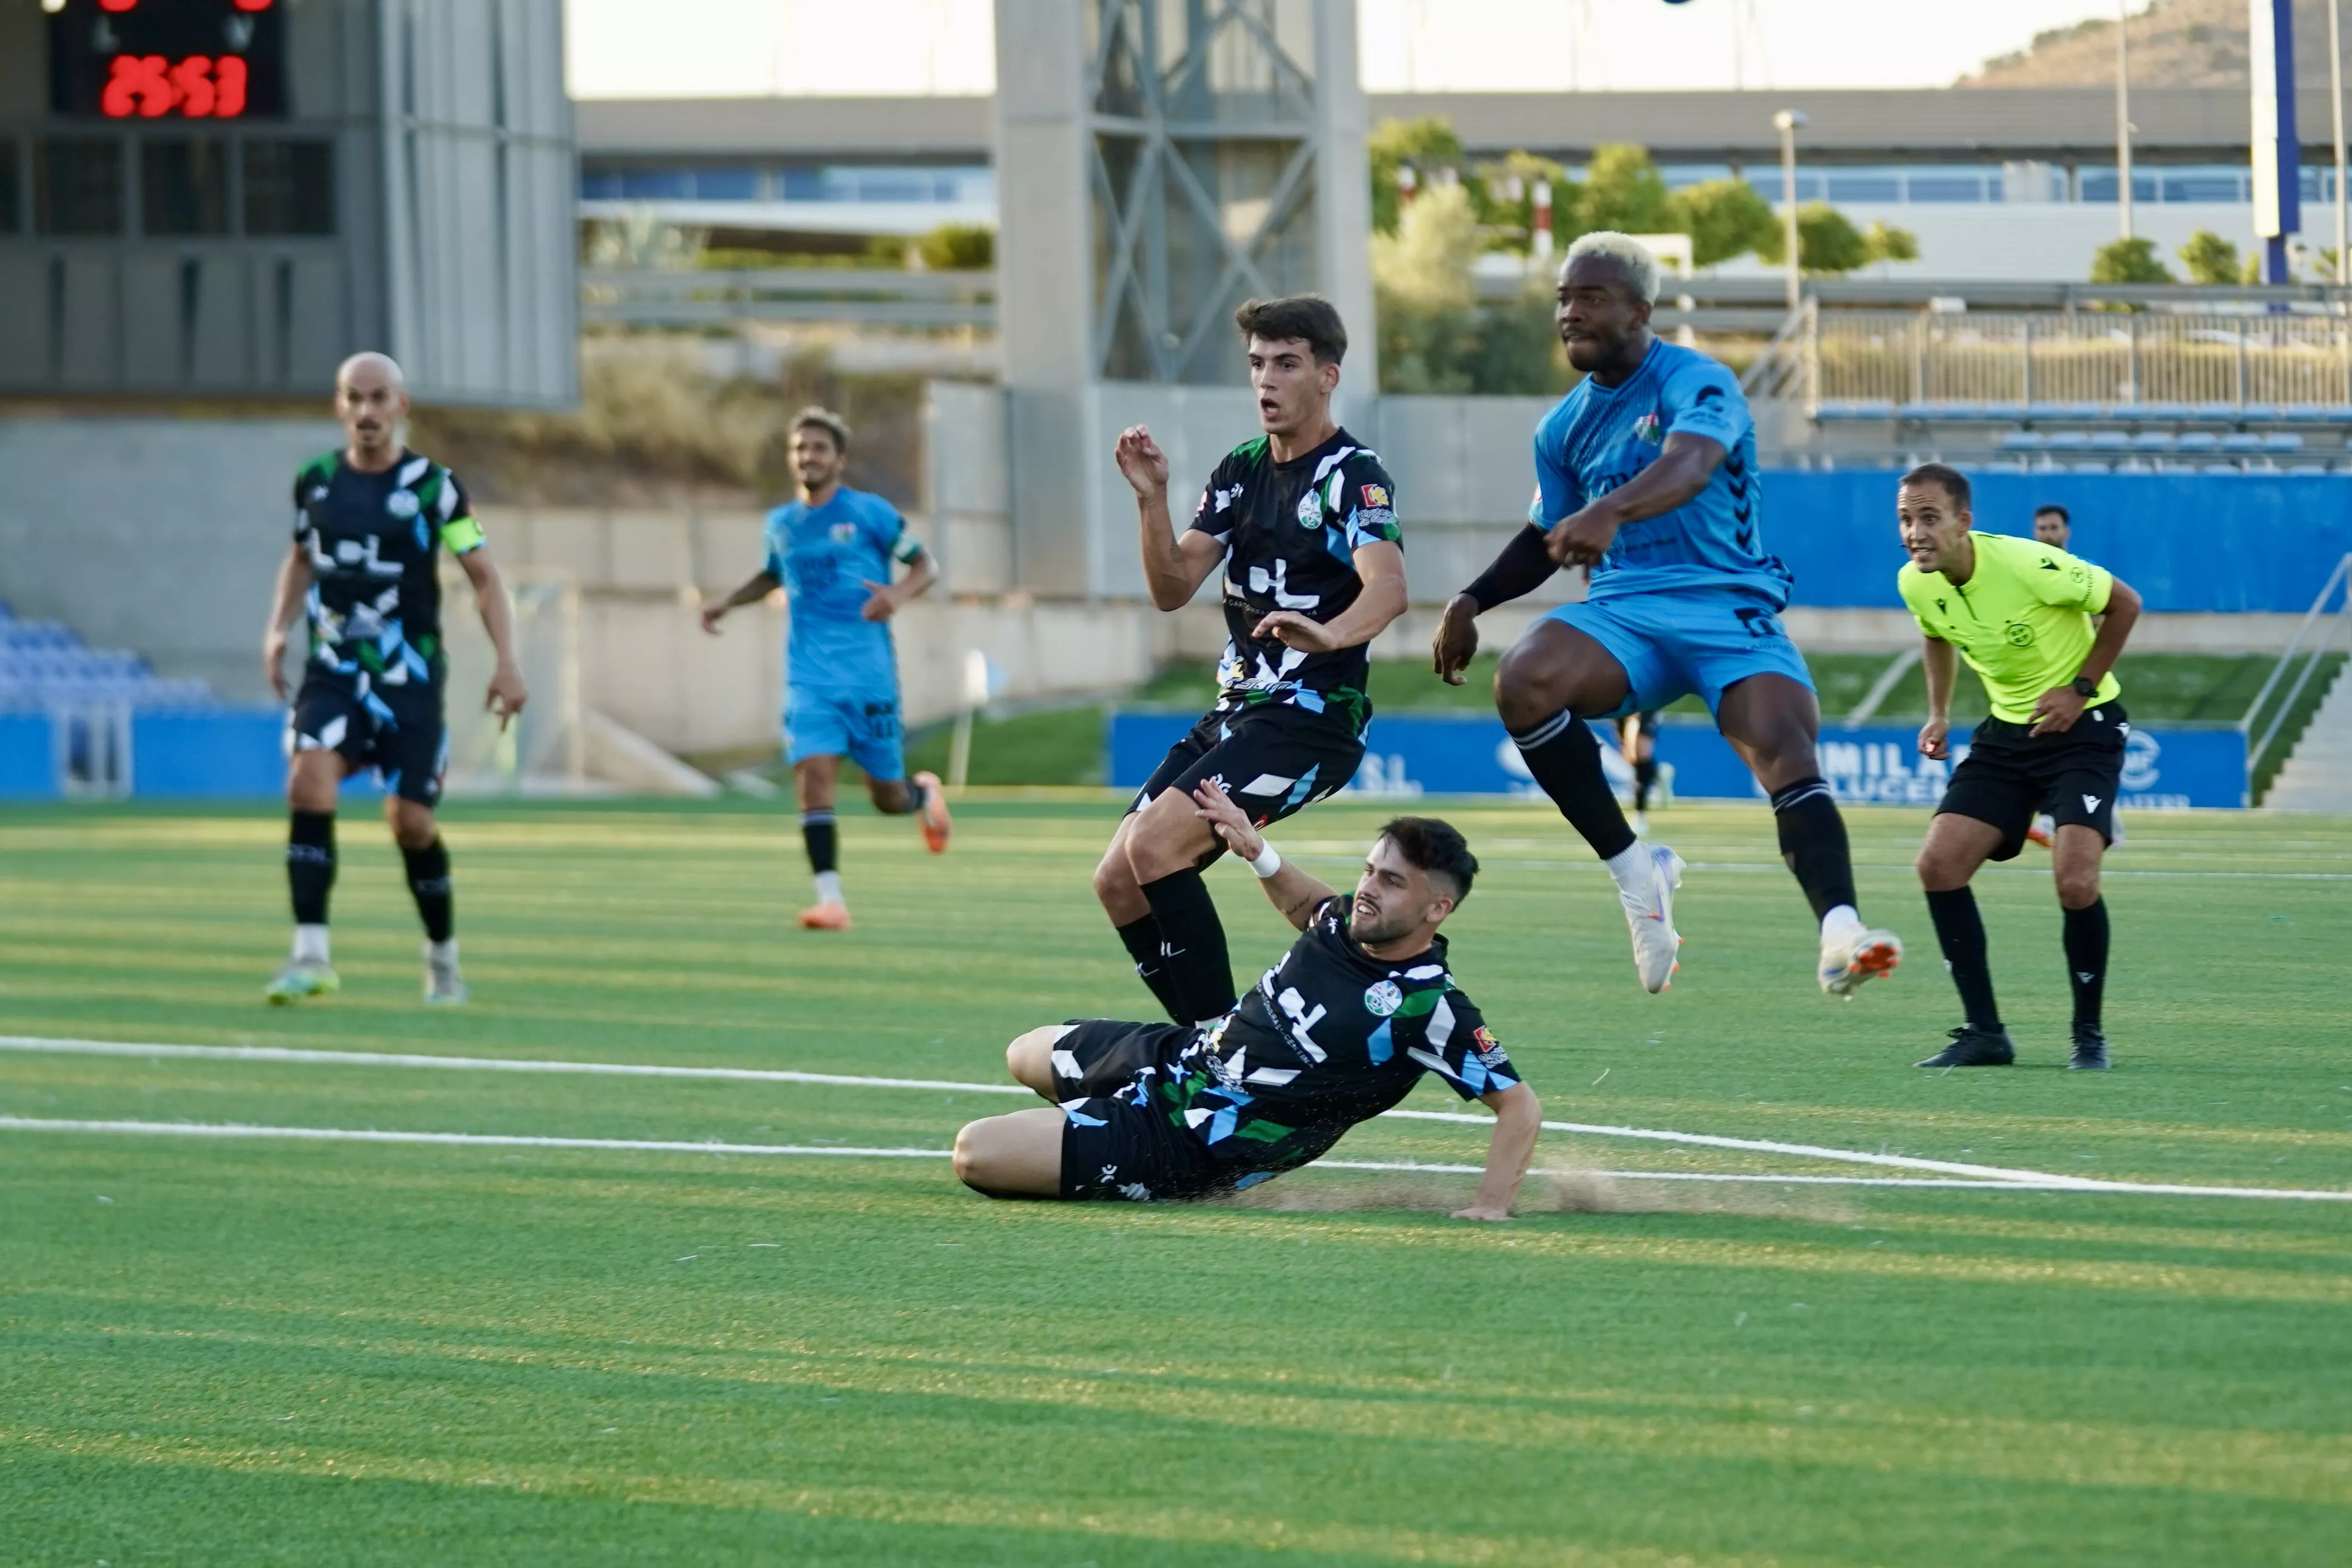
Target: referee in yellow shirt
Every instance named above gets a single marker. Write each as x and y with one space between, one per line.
2020 613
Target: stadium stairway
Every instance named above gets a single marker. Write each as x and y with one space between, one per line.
2318 775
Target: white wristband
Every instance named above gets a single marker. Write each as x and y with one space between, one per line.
1267 863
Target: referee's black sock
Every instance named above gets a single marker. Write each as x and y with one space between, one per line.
1961 928
1645 774
2086 961
1565 759
429 883
1813 841
1144 946
1200 971
310 864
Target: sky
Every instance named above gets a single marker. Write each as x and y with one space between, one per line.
660 48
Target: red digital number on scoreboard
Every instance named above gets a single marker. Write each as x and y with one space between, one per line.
198 87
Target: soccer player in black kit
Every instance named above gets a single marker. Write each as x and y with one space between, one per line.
1303 518
1335 1033
369 523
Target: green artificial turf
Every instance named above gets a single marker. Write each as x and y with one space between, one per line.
243 1350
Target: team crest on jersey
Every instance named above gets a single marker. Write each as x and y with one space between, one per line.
1383 997
1310 509
401 504
1645 428
843 532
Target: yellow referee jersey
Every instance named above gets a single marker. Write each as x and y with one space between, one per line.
2022 620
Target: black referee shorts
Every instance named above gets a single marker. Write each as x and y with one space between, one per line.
2009 774
1273 760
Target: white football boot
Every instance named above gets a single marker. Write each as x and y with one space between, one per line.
1857 954
1649 914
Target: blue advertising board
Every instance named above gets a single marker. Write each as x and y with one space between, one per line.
1418 753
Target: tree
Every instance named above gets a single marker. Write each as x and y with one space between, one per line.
1425 145
1828 245
1724 218
2129 261
958 247
1508 187
2210 259
1622 191
1887 243
1426 294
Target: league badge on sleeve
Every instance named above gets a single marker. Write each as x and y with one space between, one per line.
1376 496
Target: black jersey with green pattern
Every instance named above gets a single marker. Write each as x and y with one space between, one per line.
1329 1037
373 543
1291 531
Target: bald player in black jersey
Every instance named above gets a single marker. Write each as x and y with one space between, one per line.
1335 1033
369 523
1303 518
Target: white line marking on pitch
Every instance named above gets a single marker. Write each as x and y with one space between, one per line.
2000 1173
666 1146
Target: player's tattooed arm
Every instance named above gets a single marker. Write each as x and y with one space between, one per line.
1290 890
1519 1119
294 575
756 587
1174 565
1684 466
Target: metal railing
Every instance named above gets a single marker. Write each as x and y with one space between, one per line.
2321 646
874 296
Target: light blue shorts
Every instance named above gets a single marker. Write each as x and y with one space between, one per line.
1692 640
860 725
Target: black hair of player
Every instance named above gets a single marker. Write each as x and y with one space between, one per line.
825 419
1955 483
2051 509
1309 319
1436 848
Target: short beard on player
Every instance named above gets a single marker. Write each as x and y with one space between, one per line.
1372 925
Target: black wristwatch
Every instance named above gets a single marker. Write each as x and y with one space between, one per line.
2085 687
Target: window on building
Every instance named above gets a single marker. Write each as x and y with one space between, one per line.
289 187
727 185
1872 188
183 186
77 184
600 186
657 185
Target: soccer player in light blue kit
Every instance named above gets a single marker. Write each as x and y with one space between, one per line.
831 550
1646 477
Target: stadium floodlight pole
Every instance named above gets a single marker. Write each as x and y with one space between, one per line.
2123 118
1785 122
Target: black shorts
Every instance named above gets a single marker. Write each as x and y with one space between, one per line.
1115 1143
1272 760
398 730
2009 774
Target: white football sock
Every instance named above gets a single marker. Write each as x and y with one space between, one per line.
310 944
828 887
1632 868
1841 923
443 953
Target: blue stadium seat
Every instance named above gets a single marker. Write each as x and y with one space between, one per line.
1922 411
2197 441
2152 441
2090 467
2070 441
2215 413
2046 411
2111 441
2241 441
2163 413
2282 441
2260 413
2023 441
2308 413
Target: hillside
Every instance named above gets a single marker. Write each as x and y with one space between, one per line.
2175 43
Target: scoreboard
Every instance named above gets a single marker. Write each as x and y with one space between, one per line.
157 59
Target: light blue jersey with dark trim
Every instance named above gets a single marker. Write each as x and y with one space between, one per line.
824 556
1598 438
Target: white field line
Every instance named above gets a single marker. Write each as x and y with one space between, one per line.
1996 1173
636 1146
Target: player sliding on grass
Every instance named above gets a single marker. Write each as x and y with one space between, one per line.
832 550
1304 519
1646 475
2020 613
369 523
1335 1033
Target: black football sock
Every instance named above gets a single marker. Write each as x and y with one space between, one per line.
310 864
1813 841
1961 928
1200 971
817 833
2086 961
916 795
1565 759
1645 773
428 881
1144 946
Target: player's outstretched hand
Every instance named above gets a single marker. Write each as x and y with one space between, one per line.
881 603
1457 643
1294 630
1582 539
1933 735
1140 459
1231 823
273 662
1481 1211
507 695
